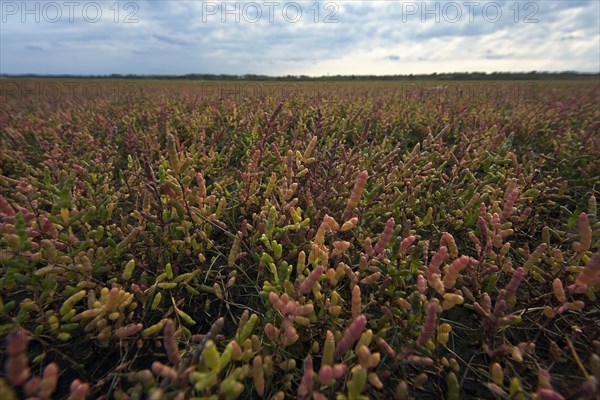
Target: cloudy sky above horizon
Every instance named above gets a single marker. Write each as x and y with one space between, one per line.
298 38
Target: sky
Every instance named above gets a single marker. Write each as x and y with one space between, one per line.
314 38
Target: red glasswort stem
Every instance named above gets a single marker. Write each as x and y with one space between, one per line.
351 335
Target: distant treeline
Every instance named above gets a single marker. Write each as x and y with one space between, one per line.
410 77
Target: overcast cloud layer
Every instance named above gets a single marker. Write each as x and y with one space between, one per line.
298 38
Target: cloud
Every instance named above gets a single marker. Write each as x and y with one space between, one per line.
302 37
491 55
171 40
34 48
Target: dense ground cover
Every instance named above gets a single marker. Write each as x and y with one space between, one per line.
299 240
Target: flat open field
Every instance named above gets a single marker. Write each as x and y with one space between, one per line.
318 239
